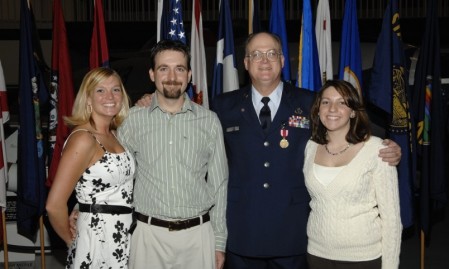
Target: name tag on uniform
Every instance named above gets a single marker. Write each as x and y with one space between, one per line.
232 129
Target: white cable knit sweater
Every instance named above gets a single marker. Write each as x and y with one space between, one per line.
356 217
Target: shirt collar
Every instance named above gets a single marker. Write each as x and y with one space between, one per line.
187 106
275 97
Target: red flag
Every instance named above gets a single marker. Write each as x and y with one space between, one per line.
62 93
4 117
198 62
3 166
99 52
3 97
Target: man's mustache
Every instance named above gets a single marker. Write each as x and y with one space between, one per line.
172 83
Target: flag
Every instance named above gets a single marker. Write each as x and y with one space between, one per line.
32 94
99 52
198 60
429 118
308 65
324 40
350 53
61 91
225 72
277 26
169 21
388 89
4 98
253 17
4 117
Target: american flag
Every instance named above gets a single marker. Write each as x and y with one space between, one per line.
170 21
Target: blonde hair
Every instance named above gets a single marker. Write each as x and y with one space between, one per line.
80 112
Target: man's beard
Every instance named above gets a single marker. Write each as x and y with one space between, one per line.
173 93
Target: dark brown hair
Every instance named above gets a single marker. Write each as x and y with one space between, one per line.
168 44
359 129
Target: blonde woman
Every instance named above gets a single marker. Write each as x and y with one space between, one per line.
100 170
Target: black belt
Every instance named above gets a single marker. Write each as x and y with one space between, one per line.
175 225
105 209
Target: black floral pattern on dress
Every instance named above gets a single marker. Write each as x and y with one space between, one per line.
108 181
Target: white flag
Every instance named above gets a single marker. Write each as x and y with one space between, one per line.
198 61
324 39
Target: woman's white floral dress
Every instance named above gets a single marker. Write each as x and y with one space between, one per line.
102 240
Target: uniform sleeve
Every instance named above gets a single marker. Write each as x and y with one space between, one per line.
387 194
218 178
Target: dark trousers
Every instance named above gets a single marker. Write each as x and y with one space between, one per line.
234 261
321 263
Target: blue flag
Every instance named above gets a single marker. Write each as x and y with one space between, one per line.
429 117
31 192
388 90
350 54
277 26
309 75
254 25
225 72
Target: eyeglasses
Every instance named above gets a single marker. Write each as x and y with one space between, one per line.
257 56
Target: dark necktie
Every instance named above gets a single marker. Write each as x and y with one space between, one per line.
265 114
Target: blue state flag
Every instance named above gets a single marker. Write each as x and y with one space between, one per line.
309 75
388 90
277 26
254 25
31 192
428 104
225 72
350 53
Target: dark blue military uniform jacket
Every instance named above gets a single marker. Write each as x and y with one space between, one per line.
268 204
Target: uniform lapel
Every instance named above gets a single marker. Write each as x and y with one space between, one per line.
248 112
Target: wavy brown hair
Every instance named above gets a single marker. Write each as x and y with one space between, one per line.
359 129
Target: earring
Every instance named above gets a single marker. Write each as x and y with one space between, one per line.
352 115
89 109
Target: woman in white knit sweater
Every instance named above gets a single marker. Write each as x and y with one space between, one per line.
355 219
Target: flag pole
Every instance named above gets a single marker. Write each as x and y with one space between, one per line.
41 228
5 241
423 237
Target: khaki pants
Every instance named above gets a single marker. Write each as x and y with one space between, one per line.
155 247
